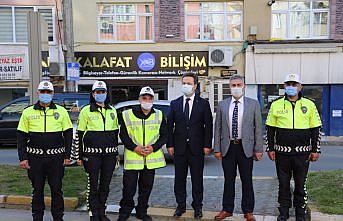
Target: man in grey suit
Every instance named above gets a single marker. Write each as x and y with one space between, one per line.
237 142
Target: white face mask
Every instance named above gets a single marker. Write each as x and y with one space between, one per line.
237 91
146 106
187 89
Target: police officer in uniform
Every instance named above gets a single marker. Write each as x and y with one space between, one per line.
293 139
44 137
143 133
98 134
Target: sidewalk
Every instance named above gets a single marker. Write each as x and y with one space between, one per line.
162 195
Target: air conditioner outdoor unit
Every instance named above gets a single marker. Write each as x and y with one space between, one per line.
220 56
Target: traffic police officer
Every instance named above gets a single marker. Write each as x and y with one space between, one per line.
44 138
293 139
98 135
143 133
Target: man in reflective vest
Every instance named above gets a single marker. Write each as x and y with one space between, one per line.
44 137
143 132
293 139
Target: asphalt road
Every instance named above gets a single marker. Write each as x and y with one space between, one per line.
331 159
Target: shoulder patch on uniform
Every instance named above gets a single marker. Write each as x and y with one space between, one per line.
56 115
304 109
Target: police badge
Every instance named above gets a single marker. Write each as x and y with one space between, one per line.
56 115
304 109
112 116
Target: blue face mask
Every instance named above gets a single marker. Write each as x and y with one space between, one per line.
100 98
291 91
45 98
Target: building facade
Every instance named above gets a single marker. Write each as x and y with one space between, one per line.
132 43
152 42
14 59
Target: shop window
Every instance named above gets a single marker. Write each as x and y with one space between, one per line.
13 23
125 23
303 19
214 21
221 91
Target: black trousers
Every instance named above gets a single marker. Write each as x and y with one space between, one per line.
52 169
196 165
99 169
286 167
145 179
236 157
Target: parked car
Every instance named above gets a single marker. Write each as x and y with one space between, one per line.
10 113
162 105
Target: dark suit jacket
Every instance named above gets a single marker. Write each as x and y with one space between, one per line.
200 126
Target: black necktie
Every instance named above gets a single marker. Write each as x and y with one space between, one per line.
235 121
186 111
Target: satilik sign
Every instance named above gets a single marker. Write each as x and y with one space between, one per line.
113 64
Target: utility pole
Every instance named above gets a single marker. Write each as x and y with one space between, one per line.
68 46
36 37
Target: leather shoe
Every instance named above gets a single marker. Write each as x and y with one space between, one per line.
222 215
178 212
197 214
249 217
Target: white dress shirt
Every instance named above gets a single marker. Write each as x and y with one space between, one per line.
240 115
190 102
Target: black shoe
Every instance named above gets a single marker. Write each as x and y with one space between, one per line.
282 218
144 217
104 218
198 214
178 212
123 217
284 214
300 214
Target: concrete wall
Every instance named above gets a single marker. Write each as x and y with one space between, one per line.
257 13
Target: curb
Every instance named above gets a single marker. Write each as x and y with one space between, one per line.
24 202
167 214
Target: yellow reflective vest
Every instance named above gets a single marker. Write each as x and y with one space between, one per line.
143 132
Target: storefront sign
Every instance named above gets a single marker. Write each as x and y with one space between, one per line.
112 64
227 73
12 66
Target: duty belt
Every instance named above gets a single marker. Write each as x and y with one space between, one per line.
39 151
288 149
99 150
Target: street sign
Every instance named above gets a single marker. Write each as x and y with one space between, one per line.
73 71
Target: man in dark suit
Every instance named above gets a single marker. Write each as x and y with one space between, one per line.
189 139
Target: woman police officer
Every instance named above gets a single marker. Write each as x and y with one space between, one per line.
98 136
